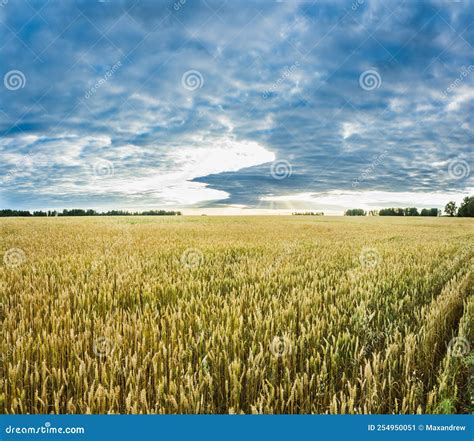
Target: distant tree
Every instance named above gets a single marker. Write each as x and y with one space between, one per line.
355 212
160 213
450 208
399 212
90 212
373 212
412 211
308 213
392 212
430 212
117 213
74 212
466 209
14 213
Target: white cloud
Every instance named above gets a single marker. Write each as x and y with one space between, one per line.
168 185
461 95
351 128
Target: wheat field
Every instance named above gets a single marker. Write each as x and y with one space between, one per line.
250 314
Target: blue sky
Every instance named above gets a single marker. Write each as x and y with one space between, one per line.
235 106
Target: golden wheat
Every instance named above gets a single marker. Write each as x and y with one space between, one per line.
236 315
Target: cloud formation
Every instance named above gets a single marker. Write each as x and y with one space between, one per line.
140 104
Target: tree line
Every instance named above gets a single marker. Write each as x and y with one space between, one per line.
466 209
81 212
308 213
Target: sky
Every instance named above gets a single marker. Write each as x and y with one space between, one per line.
236 107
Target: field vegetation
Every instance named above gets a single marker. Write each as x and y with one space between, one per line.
282 314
